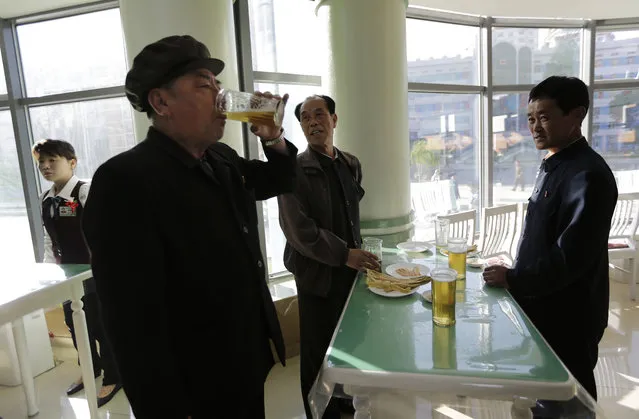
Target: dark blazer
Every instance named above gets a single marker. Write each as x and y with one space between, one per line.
312 249
178 268
560 277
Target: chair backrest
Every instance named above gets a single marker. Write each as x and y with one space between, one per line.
521 220
498 230
625 219
462 224
432 198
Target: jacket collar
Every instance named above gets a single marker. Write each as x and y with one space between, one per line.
567 153
166 143
309 159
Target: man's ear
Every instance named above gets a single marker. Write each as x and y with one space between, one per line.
158 100
334 116
580 112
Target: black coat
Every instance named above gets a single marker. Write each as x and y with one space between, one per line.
560 277
177 263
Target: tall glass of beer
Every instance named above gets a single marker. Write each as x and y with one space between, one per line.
444 282
246 107
457 248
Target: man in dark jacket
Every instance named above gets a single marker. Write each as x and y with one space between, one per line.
320 220
560 277
172 229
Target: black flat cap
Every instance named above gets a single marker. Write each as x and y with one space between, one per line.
165 60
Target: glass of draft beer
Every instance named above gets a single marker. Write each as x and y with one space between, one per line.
246 107
457 249
444 283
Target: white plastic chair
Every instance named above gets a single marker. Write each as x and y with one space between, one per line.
623 228
498 230
462 224
523 209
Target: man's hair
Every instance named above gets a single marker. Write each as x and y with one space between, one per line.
330 104
54 148
568 92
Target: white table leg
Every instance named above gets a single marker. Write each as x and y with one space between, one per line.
521 408
362 405
84 353
28 383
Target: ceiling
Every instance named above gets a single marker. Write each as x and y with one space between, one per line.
586 9
14 8
589 9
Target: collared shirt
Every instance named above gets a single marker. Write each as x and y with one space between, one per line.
65 193
561 271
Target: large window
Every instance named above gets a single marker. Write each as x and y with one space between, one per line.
3 81
614 134
444 128
455 61
16 245
75 53
529 55
515 158
617 55
275 240
98 129
63 61
444 142
287 37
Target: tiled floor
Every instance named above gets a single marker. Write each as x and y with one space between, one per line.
617 379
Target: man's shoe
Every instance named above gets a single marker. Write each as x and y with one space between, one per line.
79 385
75 387
106 399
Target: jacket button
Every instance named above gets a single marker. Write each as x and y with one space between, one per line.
352 224
347 203
245 229
260 264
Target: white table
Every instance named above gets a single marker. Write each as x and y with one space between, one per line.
27 288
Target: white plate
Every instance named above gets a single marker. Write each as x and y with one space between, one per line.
416 247
475 262
392 270
392 294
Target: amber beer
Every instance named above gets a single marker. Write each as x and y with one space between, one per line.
253 117
444 287
457 249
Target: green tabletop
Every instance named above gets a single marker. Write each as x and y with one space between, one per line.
491 340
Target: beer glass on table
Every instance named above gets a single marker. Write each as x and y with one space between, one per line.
457 250
444 283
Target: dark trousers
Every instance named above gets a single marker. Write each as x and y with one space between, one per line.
102 360
318 319
579 353
244 407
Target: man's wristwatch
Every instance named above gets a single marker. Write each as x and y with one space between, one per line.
274 141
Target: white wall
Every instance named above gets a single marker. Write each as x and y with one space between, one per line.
588 9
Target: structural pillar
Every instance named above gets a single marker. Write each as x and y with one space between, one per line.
209 21
367 77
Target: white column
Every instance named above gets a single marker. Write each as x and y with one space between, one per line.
208 21
367 76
